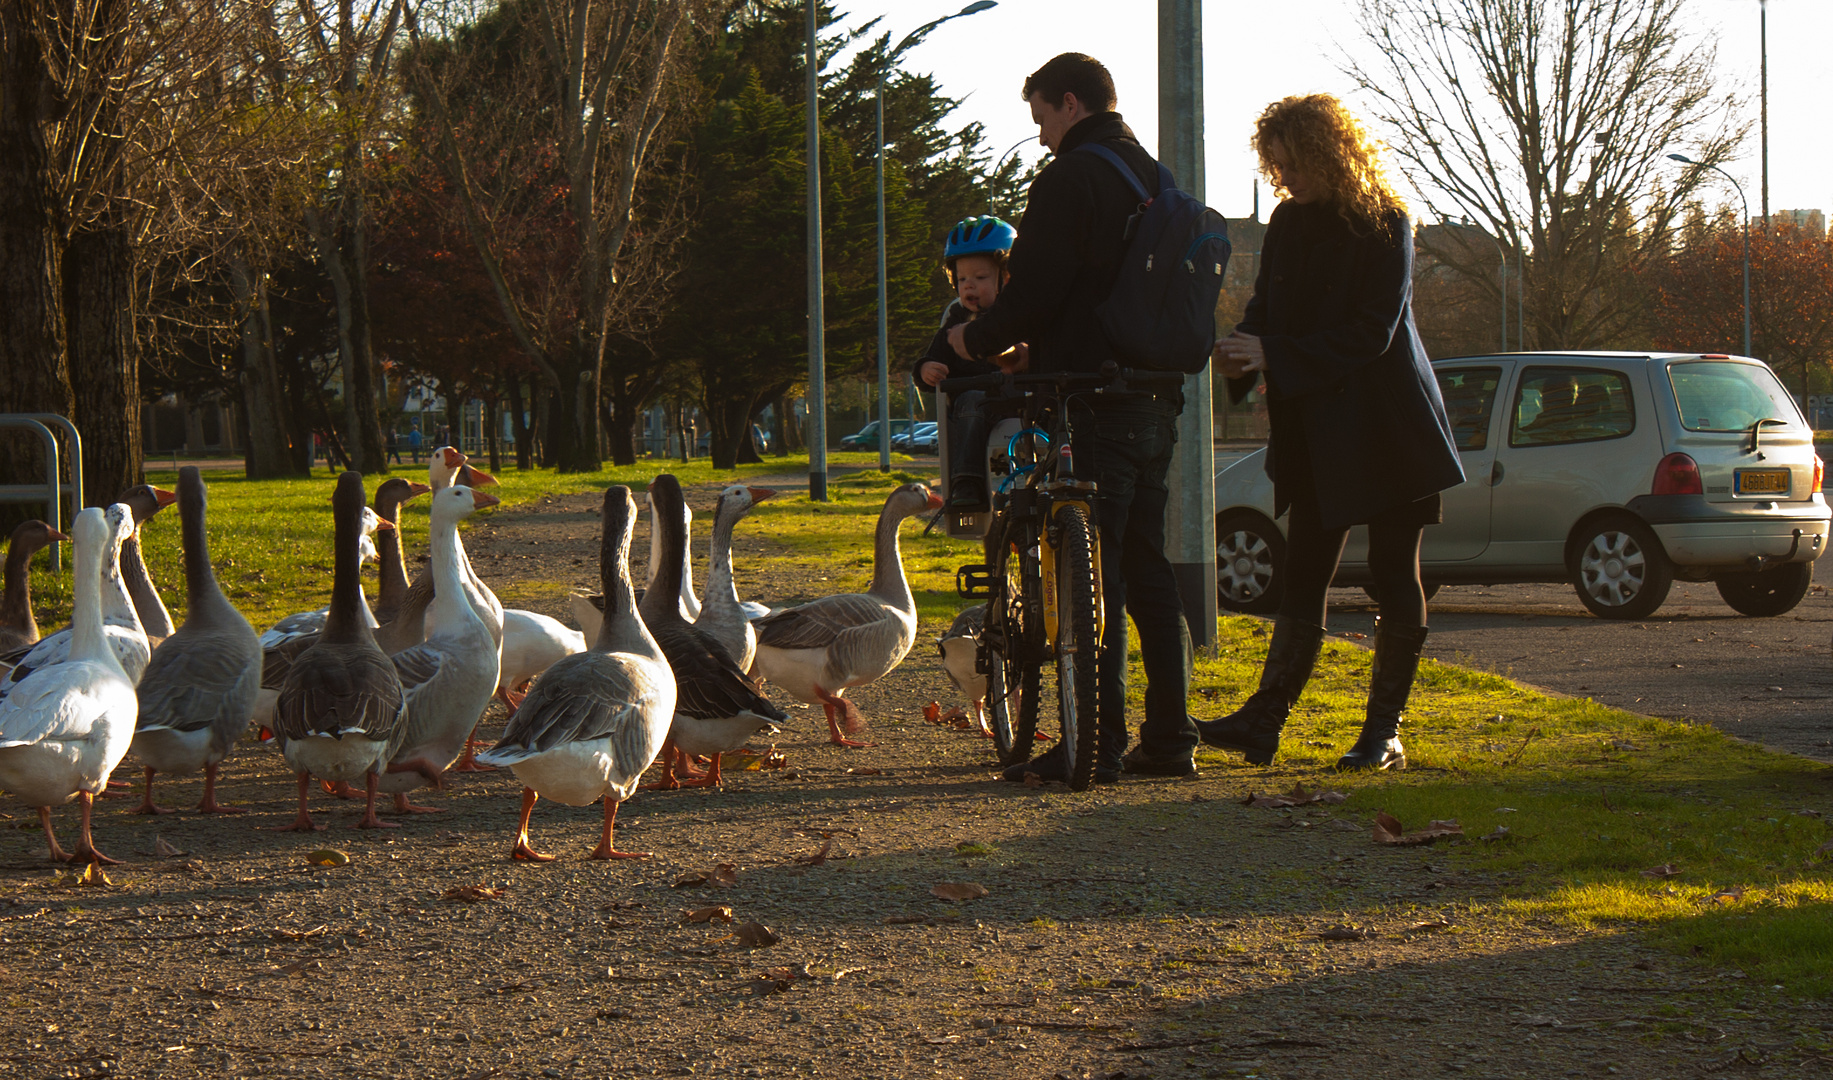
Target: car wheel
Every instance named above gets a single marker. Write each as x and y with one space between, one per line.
1250 562
1431 589
1767 592
1619 569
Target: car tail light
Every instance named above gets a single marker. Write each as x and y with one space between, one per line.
1820 473
1678 474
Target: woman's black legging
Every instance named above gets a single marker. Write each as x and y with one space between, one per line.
1312 554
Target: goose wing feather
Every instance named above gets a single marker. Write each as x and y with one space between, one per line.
192 682
818 623
334 689
63 703
708 683
584 697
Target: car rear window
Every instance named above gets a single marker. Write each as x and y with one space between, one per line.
1570 405
1470 395
1718 395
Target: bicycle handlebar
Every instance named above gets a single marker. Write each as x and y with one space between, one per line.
1118 379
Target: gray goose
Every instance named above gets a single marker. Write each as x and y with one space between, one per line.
722 614
120 620
202 681
959 647
595 720
18 628
717 706
819 650
146 501
342 713
393 587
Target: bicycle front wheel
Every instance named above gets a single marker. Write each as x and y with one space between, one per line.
1077 647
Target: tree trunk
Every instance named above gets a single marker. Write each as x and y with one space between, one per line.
575 431
493 433
550 411
730 418
104 360
342 252
36 373
519 419
779 427
270 434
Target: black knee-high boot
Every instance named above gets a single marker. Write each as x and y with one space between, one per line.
1389 685
1254 728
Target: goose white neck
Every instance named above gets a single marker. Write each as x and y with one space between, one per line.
117 606
87 642
719 567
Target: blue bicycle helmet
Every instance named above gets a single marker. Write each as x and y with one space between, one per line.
979 236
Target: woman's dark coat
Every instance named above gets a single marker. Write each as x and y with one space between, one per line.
1346 372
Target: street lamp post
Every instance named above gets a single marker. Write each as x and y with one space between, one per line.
1685 160
884 328
817 360
1501 274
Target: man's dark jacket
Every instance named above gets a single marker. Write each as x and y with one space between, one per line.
1068 252
1346 372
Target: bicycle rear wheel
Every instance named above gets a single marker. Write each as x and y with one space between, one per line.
1076 646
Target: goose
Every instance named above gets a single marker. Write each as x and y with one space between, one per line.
202 681
307 624
146 501
596 720
449 677
588 608
342 712
721 613
447 466
717 706
65 726
819 650
18 628
959 648
393 585
532 643
120 621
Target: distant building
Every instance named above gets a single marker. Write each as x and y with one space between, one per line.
1810 221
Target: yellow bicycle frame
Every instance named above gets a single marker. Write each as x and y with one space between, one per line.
1047 565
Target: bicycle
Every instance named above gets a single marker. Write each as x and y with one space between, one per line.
1041 578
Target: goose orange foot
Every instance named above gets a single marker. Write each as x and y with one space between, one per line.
209 805
522 852
369 820
304 822
467 762
841 712
604 850
147 806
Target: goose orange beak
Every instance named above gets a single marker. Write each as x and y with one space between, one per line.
935 501
166 498
759 494
414 490
472 478
453 457
56 536
383 524
480 499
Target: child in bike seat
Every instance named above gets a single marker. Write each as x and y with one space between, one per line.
975 258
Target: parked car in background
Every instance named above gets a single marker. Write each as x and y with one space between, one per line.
923 440
866 438
1616 472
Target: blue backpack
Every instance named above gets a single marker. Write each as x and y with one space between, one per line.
1161 315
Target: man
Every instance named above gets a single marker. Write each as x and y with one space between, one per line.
1064 263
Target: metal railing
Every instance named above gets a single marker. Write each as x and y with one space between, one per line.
52 491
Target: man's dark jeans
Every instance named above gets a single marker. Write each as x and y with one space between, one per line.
1126 449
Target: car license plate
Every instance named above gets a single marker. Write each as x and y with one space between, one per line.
1762 481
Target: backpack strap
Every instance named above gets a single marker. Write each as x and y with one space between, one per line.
1126 171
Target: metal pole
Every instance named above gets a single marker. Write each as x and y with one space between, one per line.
884 329
1190 528
1763 47
817 361
1746 277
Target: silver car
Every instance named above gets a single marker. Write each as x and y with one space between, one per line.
1617 472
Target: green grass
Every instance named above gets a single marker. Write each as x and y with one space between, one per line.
1593 796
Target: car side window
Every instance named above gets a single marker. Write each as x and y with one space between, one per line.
1554 406
1470 398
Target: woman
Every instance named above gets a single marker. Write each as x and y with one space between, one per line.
1359 432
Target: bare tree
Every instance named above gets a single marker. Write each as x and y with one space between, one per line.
1549 122
608 76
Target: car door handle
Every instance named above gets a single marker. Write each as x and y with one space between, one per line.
1496 472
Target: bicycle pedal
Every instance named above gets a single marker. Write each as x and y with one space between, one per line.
974 582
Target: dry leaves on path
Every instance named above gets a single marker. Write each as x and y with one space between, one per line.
724 875
958 890
1665 870
1298 796
818 857
754 935
471 894
777 979
715 913
1388 830
1344 933
327 857
281 933
165 850
91 876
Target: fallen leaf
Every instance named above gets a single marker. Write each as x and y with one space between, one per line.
1538 1021
787 973
1033 780
1427 924
1665 870
1298 796
471 894
165 850
764 987
818 857
755 935
92 876
1343 933
865 771
723 875
281 933
958 890
715 913
941 1040
1356 634
327 857
1501 833
1725 896
932 711
1388 830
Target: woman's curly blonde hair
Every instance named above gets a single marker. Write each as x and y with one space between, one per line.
1322 139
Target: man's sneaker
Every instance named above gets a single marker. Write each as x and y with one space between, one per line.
1140 763
967 494
1048 766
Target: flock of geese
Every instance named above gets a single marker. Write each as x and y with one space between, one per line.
388 696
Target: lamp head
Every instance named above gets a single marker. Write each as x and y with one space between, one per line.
977 6
1682 158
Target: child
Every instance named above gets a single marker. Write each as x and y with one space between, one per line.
975 258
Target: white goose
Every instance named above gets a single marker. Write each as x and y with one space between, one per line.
448 677
120 622
819 650
717 706
959 648
66 726
202 681
721 613
596 720
447 466
342 713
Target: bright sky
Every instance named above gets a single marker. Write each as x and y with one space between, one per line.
1256 52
